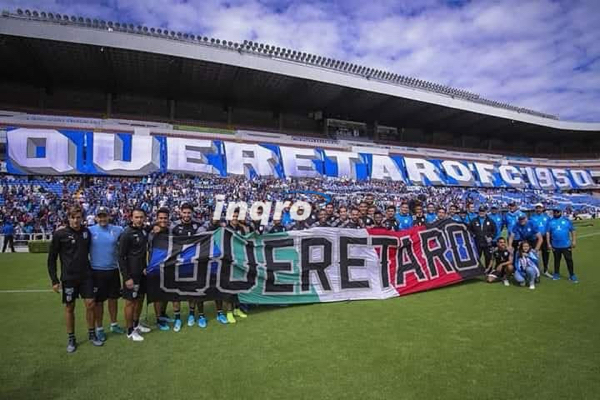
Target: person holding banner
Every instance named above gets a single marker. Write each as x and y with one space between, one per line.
133 253
431 216
561 239
233 307
404 218
419 217
355 220
390 222
186 226
541 220
441 214
526 265
72 245
453 213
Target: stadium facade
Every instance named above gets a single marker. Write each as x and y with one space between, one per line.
68 72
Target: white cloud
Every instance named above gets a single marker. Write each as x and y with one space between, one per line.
543 55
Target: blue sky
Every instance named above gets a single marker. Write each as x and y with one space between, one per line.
543 54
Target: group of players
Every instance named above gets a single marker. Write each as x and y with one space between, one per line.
95 258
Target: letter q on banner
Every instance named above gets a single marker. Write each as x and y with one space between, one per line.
125 154
41 151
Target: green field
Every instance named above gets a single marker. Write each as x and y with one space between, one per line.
473 341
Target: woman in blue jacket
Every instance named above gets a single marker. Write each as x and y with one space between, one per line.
526 263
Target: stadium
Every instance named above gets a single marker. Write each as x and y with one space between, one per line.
116 116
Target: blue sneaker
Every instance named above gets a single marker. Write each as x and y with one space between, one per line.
573 278
101 335
222 318
163 326
191 320
166 319
177 325
202 321
555 277
117 329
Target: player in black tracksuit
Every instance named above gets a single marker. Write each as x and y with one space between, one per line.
484 230
133 259
186 226
72 246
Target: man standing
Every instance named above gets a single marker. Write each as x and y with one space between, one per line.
484 230
453 213
8 230
498 219
72 245
524 230
431 216
441 214
419 217
105 270
390 222
404 218
133 248
512 217
471 214
561 238
186 226
355 220
540 219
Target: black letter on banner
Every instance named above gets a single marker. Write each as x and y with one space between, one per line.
272 266
199 279
384 243
453 231
346 263
226 284
406 247
438 253
319 266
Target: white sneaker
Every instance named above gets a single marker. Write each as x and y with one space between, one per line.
135 336
506 282
548 275
142 329
532 286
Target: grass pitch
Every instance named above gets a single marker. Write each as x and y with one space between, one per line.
472 340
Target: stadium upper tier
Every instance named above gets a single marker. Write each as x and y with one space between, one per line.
17 119
81 66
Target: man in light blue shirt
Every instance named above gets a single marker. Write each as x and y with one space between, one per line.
430 216
512 216
540 219
499 221
561 239
105 270
404 218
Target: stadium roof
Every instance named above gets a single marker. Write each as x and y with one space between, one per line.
49 49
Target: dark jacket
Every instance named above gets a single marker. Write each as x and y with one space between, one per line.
73 248
187 229
484 232
133 252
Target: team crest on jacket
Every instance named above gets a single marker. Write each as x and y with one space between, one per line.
85 235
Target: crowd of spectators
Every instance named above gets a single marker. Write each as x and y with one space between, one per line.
39 204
